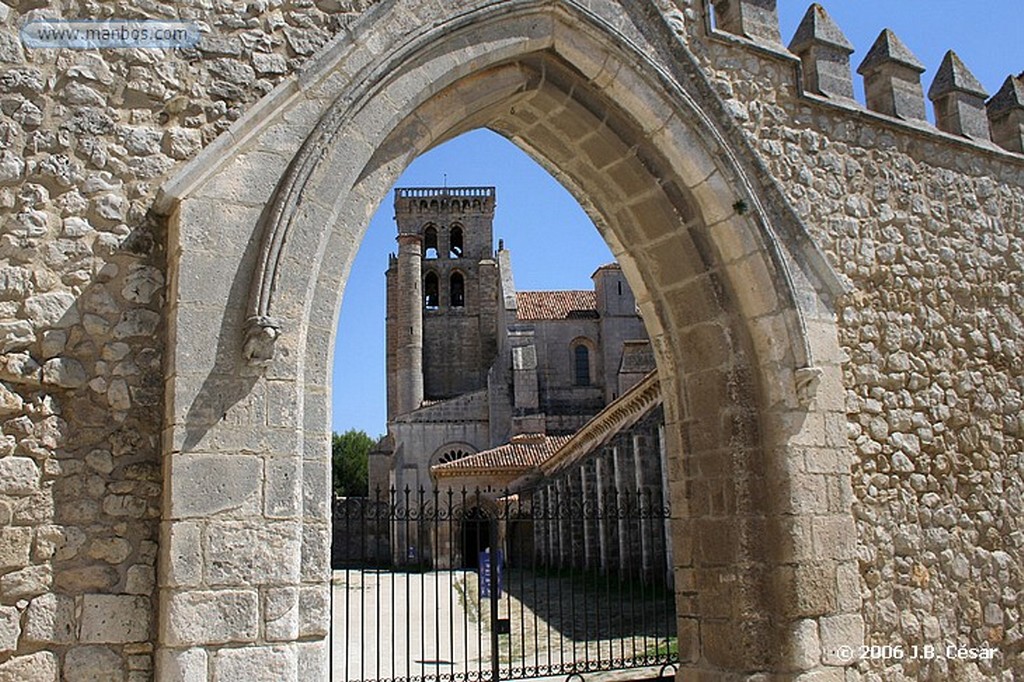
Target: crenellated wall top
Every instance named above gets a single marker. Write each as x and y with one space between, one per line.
891 73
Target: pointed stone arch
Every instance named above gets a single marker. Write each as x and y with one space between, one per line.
737 300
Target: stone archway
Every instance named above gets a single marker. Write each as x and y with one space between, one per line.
266 222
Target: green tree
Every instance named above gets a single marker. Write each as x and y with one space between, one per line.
350 452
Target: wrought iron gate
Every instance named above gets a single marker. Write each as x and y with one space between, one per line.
470 586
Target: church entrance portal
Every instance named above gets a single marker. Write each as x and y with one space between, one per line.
476 532
736 300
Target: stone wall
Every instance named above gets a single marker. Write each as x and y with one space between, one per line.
928 229
86 138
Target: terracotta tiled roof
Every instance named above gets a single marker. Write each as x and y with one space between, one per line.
524 452
555 305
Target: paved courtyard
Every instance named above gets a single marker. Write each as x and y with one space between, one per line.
427 625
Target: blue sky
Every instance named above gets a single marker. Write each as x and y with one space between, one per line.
553 243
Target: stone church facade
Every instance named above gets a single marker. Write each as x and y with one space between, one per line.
472 362
832 292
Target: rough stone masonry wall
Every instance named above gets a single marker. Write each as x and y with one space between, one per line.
930 233
86 137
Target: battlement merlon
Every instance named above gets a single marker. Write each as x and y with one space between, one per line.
892 76
444 199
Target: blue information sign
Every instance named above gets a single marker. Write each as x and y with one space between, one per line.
484 572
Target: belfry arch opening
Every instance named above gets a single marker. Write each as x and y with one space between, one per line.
736 304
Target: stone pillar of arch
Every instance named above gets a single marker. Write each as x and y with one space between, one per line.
736 298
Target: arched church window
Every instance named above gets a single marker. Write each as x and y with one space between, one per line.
457 290
430 242
455 242
431 291
581 359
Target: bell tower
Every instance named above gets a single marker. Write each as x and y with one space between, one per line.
441 295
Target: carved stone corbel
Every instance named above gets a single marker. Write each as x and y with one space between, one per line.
806 380
261 333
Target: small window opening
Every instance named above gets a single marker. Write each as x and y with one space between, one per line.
457 291
620 288
455 242
430 291
581 356
430 242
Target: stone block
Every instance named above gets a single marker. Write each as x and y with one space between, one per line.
316 552
806 494
840 631
256 664
10 629
182 563
806 590
64 372
24 584
736 645
848 582
18 476
688 631
16 335
282 498
115 618
87 578
203 617
796 543
15 544
754 285
207 485
188 665
249 553
93 664
314 611
19 368
140 579
803 647
835 537
135 323
281 614
181 143
50 619
755 19
38 667
11 404
55 309
111 550
316 490
314 660
248 179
